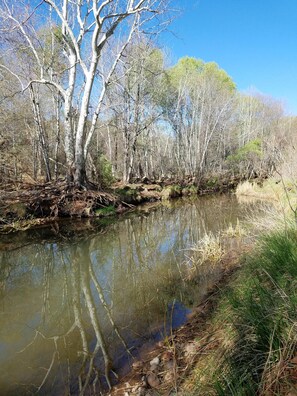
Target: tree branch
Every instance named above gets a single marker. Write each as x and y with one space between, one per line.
47 82
70 33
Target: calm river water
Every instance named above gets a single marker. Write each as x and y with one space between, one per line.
81 296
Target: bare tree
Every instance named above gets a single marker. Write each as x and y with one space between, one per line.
133 109
83 29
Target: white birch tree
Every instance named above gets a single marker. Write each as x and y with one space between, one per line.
82 29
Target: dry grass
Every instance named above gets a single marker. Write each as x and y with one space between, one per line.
270 218
237 231
272 190
279 203
208 250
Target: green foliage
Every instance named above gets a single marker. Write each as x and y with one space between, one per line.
145 68
193 189
177 188
190 190
57 32
105 171
194 71
249 151
107 211
129 194
191 77
185 68
212 181
212 71
52 40
262 311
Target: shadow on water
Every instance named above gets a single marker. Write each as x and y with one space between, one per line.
78 300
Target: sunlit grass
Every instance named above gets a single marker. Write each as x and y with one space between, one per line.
235 231
270 190
279 191
255 325
208 250
278 207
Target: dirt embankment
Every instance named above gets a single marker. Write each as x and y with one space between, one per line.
26 205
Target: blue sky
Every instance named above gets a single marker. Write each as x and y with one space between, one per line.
255 41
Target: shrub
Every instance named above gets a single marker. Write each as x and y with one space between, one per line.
105 171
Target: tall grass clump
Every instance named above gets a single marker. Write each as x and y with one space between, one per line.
208 250
277 190
278 209
236 231
271 190
262 309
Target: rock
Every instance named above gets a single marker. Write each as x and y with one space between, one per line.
155 361
152 380
154 367
190 349
155 364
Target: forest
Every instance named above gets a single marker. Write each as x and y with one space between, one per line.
148 210
87 94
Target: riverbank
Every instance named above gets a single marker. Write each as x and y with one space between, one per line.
242 339
167 366
254 327
254 323
28 205
143 282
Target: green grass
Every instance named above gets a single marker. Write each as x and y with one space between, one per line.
261 307
106 211
254 327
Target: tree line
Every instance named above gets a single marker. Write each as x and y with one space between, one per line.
85 93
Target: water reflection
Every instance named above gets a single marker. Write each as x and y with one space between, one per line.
74 310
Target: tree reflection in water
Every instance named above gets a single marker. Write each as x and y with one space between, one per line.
72 310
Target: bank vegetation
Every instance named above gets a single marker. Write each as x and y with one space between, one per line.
253 348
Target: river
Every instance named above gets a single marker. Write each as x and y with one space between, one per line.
79 298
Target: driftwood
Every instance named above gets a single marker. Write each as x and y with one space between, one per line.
23 201
27 201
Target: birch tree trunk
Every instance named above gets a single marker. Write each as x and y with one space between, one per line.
41 132
82 31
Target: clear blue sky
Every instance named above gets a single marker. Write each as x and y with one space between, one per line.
255 41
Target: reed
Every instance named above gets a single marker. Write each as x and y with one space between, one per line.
208 250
